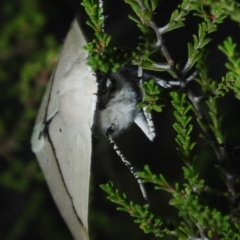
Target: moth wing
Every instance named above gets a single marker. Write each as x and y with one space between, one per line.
66 114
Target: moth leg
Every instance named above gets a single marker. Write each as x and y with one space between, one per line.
150 122
146 125
128 164
151 133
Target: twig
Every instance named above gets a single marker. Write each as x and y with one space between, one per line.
201 231
159 37
161 45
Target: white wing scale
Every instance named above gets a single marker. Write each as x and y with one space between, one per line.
64 147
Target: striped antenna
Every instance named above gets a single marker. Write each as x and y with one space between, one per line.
147 115
128 164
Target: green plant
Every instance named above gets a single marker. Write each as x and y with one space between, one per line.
206 194
198 216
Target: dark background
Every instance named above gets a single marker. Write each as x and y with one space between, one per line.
32 32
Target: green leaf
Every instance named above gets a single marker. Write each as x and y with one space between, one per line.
205 42
173 25
90 23
177 127
174 15
157 108
136 20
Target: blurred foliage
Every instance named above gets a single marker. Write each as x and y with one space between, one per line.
27 57
26 64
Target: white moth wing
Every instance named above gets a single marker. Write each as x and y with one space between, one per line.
64 153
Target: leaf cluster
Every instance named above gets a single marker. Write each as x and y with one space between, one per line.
232 79
152 97
182 126
192 208
207 26
198 218
147 221
102 57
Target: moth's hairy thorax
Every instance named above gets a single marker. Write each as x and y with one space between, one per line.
120 108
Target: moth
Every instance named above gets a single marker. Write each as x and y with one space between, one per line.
120 108
62 134
116 110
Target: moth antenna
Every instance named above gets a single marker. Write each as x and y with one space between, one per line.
128 164
147 115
